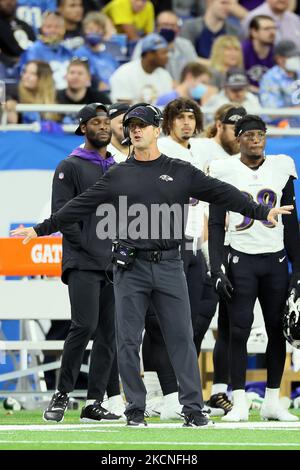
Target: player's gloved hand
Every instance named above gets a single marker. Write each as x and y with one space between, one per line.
222 285
295 284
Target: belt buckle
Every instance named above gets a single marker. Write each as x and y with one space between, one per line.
156 256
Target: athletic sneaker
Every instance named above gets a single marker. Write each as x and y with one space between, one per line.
220 400
95 413
57 407
276 413
116 405
196 419
136 418
237 414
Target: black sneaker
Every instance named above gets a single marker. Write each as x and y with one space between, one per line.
95 413
196 419
220 400
57 407
136 418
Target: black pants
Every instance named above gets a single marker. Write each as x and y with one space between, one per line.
164 285
263 277
58 331
203 302
92 317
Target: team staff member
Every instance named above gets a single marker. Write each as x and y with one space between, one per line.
258 267
85 259
118 146
182 122
156 273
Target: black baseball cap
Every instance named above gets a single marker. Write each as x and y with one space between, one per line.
88 112
233 115
146 114
236 78
116 109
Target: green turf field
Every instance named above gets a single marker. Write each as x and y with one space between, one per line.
26 430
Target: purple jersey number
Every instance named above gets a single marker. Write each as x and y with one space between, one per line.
267 197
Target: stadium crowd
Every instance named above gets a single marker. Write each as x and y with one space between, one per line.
214 51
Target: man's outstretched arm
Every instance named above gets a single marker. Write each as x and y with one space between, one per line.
220 193
74 211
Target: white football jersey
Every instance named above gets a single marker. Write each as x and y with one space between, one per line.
118 156
263 185
172 149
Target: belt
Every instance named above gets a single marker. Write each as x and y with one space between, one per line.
157 256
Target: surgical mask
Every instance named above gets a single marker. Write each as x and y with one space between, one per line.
292 64
198 91
93 39
168 34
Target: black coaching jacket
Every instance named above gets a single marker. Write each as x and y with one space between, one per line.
81 247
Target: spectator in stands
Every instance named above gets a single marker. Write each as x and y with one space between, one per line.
135 18
235 91
258 49
49 47
32 11
144 79
279 87
36 87
72 13
202 31
78 89
226 53
181 50
15 35
102 55
287 22
194 84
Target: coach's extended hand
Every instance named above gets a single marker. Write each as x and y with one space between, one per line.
285 210
28 232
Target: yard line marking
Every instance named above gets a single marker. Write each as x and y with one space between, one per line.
160 443
271 425
68 430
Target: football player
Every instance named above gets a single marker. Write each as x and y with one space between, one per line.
258 260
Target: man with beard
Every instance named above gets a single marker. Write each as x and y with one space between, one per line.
118 146
258 50
85 259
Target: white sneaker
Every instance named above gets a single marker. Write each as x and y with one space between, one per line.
116 405
153 407
276 413
171 408
237 414
212 412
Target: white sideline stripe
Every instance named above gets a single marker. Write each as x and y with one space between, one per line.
271 425
162 443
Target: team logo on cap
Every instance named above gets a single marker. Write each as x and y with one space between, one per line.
235 117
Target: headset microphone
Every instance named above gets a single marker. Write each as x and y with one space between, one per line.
126 141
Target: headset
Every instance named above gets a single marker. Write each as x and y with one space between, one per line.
158 117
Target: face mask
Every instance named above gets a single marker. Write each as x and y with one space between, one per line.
292 64
167 34
93 39
198 91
